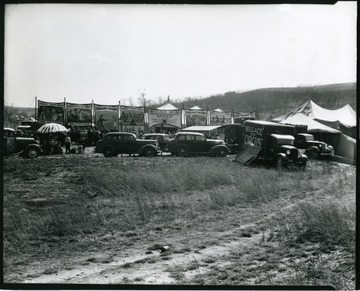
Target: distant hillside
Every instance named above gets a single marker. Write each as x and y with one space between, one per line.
277 101
267 102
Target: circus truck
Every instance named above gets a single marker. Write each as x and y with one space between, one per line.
269 142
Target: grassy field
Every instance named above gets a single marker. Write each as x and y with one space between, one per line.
224 224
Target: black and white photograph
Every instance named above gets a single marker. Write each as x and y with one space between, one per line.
164 146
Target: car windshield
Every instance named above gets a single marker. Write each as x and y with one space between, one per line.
309 138
284 141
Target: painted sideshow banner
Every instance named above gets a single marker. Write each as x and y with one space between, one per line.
79 114
51 112
195 117
219 118
239 116
170 117
132 119
106 117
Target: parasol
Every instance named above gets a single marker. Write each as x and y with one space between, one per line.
52 127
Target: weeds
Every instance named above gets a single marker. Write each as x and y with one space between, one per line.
129 198
329 224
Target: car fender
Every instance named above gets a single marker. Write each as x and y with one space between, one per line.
140 151
22 153
313 148
214 149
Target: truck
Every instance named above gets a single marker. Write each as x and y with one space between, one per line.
314 149
25 147
266 141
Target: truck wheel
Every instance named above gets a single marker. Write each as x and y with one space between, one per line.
302 166
221 153
313 154
280 163
149 152
182 152
108 152
32 153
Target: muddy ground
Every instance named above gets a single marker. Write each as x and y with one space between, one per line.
230 246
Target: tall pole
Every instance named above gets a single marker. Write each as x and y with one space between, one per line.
119 115
35 107
65 112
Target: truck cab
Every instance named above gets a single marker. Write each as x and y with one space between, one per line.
284 153
314 149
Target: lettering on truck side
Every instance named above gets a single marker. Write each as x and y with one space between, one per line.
257 130
253 136
253 141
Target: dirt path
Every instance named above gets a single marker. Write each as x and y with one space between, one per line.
151 267
196 247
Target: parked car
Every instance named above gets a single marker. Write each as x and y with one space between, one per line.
114 143
187 143
271 142
162 138
25 147
314 149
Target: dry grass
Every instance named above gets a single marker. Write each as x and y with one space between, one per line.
130 195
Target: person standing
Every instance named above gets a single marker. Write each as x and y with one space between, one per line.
67 143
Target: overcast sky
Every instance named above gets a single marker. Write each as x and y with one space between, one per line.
113 52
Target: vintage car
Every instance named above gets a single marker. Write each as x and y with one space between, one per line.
25 147
188 143
114 143
162 138
314 149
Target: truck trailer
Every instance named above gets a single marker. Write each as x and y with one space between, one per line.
266 141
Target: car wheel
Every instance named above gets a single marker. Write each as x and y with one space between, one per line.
108 152
221 153
182 152
149 152
32 153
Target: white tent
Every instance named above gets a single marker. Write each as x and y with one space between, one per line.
195 108
344 115
312 125
167 106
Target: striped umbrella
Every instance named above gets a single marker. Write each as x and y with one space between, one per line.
51 128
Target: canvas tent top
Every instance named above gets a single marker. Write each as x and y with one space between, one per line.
218 110
167 106
345 115
201 128
195 108
312 125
